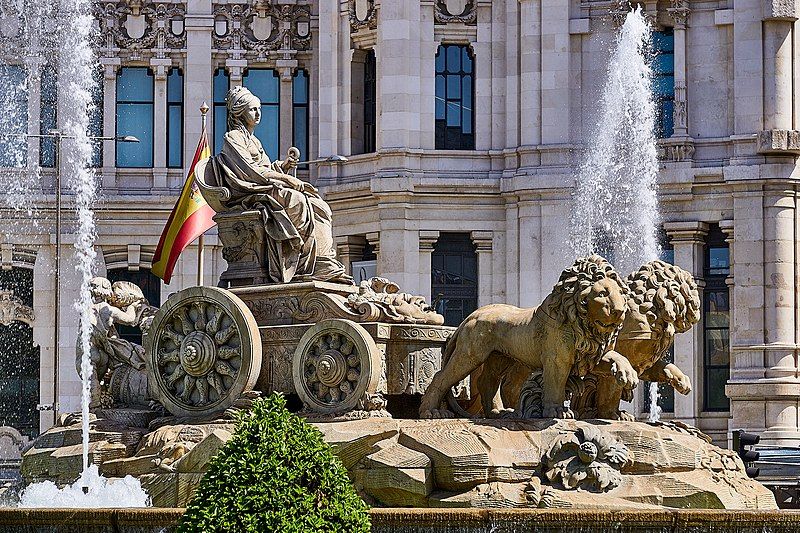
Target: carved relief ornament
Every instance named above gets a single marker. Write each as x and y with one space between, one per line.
262 27
135 25
679 11
463 11
362 15
12 309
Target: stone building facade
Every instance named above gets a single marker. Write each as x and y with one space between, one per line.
463 123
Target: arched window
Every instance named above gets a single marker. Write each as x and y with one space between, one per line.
175 118
151 287
716 321
135 117
455 94
264 83
19 360
454 277
300 113
221 84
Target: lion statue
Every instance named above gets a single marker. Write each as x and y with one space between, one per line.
662 302
571 332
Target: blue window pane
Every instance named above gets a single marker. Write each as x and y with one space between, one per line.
263 83
13 84
453 114
664 64
96 118
175 86
453 87
220 127
668 255
134 84
48 116
300 88
220 86
267 130
440 60
466 91
453 58
300 132
719 258
666 119
174 137
466 61
663 41
664 85
137 120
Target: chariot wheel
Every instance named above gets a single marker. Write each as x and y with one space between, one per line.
335 364
203 351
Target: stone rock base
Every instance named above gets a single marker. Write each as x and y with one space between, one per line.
445 463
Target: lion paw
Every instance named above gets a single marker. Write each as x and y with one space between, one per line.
557 411
506 412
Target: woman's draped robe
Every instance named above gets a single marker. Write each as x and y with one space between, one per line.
297 224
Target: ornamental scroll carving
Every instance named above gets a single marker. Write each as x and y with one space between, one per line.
262 27
462 11
137 26
362 15
13 310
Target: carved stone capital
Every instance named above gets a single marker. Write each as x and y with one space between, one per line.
679 11
690 231
427 240
780 10
482 240
779 142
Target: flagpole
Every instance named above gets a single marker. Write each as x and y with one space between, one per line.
203 111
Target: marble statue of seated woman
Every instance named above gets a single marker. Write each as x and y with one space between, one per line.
297 221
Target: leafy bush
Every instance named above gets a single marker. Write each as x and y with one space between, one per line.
275 474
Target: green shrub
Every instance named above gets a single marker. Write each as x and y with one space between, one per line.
275 474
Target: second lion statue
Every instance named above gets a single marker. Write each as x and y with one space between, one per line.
571 332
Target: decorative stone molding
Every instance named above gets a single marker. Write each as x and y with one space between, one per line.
12 309
779 142
690 231
780 10
463 11
362 15
427 240
680 112
262 27
679 11
482 240
137 26
676 150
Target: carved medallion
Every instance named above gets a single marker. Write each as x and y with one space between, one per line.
462 11
362 15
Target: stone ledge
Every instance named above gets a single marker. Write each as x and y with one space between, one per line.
779 142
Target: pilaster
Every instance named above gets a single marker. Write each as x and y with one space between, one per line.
350 248
161 70
427 240
679 11
110 68
483 246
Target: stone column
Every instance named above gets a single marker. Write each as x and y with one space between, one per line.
778 135
286 70
483 245
109 171
687 240
160 69
679 11
198 76
350 248
427 240
530 74
356 102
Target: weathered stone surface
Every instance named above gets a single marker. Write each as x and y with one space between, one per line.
398 475
133 466
196 460
352 441
162 488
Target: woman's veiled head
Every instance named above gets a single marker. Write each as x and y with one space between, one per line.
240 102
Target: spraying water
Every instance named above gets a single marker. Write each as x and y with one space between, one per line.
615 209
75 67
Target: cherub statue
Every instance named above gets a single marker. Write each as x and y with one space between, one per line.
121 303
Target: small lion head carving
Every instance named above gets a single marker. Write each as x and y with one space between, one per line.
591 297
667 296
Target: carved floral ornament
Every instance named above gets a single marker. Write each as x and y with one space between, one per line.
362 15
136 25
12 309
262 27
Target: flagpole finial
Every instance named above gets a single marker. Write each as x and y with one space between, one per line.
204 109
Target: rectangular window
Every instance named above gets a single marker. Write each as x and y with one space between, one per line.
664 80
175 118
48 115
716 322
300 113
14 95
135 117
370 114
454 96
96 119
265 84
220 111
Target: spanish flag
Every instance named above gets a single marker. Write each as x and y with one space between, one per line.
189 219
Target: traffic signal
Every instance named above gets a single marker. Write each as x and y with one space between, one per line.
742 439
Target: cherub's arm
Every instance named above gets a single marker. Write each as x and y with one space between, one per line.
127 317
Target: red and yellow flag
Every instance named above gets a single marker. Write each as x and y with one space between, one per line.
189 219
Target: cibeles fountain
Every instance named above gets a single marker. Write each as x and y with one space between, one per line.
515 408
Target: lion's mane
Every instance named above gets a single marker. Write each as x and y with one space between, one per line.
667 296
568 304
